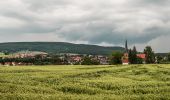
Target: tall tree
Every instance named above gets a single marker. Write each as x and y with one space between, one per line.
116 58
168 57
126 46
150 56
133 56
130 56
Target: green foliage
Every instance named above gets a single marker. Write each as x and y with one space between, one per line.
150 56
38 60
130 56
133 82
140 60
168 56
133 59
88 61
116 57
159 59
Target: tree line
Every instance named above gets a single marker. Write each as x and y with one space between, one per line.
116 57
49 60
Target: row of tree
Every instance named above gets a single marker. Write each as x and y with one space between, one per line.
149 56
49 60
116 57
37 60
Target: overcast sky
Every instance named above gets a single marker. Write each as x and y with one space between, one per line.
103 22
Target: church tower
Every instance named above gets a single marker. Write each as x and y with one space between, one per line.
126 47
125 58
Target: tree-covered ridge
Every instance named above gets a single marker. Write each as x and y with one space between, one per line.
58 47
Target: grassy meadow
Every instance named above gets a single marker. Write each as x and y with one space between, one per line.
109 82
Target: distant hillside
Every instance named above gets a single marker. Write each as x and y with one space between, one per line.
58 47
161 54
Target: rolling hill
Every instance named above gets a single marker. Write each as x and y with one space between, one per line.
58 47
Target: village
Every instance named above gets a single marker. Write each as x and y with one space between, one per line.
63 59
43 58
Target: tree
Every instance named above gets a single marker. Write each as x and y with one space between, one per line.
133 56
6 52
168 56
150 56
130 56
158 59
88 61
139 60
116 58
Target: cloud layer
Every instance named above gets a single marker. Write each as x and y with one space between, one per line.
142 22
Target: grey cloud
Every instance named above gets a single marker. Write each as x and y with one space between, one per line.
93 21
153 2
45 4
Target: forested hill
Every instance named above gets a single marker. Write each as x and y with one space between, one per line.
57 47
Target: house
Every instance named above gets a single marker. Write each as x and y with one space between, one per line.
74 59
142 56
104 60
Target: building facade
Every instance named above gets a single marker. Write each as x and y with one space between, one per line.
125 58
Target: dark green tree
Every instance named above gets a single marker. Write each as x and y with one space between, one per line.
150 56
139 60
159 59
134 52
130 55
168 57
6 52
116 58
133 56
88 61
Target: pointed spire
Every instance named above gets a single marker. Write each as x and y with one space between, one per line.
126 46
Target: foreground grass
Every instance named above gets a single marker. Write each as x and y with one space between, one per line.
136 82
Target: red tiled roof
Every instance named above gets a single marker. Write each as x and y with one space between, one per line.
143 56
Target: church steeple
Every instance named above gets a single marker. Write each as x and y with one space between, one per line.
126 46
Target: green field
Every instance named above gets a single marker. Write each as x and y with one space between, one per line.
133 82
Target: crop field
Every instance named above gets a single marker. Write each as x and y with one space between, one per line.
109 82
